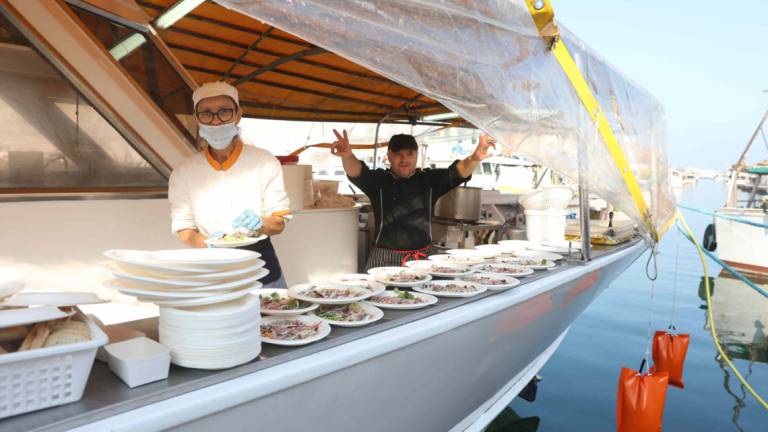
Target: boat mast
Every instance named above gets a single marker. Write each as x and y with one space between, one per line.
736 169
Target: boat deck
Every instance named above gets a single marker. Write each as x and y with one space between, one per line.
106 396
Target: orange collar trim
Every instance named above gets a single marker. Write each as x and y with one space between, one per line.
227 164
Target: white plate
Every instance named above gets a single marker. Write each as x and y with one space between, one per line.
484 254
515 244
196 279
430 267
218 243
383 273
510 281
528 262
499 269
11 282
497 248
428 300
161 291
216 312
24 316
376 314
457 259
562 248
133 260
538 255
204 256
39 298
323 330
217 298
297 292
352 279
283 293
427 288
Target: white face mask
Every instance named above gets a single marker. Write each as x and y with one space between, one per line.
219 136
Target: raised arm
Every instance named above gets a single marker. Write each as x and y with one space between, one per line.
467 165
341 148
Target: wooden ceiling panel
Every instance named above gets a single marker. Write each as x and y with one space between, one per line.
214 43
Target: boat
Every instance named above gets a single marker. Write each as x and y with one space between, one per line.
739 244
100 93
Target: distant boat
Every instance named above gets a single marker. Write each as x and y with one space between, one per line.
742 245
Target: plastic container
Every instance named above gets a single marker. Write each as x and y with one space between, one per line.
47 377
545 226
556 197
139 361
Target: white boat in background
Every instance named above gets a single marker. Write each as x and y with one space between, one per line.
741 245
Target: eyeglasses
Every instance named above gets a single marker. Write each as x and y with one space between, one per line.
224 115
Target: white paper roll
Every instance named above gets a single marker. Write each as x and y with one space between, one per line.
293 175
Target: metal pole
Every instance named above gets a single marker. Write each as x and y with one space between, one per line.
376 139
586 247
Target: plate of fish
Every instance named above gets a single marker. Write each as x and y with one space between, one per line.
275 301
396 299
293 330
493 281
534 263
451 288
349 315
440 269
457 259
399 276
507 269
329 293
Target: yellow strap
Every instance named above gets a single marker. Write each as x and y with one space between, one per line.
541 11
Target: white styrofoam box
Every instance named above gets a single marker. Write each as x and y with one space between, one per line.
47 377
139 361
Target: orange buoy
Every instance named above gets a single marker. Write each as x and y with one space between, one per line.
640 402
669 350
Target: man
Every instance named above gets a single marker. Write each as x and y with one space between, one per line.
229 185
403 197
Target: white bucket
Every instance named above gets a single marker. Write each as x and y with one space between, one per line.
545 226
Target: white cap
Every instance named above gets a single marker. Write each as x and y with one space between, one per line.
213 89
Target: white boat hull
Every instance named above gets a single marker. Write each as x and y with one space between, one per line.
743 246
455 370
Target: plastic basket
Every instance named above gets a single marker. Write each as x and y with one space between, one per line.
47 377
557 197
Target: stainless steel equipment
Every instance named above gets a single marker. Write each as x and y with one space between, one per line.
462 203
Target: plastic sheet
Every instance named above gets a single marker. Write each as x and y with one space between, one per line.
669 352
486 62
640 402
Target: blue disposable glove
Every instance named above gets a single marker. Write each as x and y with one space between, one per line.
248 219
215 236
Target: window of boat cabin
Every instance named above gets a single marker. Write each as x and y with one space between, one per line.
149 68
52 139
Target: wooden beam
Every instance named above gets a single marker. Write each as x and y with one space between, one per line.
276 63
288 73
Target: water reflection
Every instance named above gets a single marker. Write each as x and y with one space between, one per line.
740 323
509 421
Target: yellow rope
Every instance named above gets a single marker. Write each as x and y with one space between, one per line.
711 314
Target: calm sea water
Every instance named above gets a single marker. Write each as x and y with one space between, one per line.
578 392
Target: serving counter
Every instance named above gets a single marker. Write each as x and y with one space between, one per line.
498 338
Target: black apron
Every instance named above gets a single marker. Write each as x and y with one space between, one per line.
269 256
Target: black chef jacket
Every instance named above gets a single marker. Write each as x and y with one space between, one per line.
403 207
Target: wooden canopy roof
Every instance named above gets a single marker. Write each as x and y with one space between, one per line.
281 76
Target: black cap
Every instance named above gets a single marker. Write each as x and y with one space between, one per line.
402 142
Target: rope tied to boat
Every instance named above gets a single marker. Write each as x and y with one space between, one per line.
724 216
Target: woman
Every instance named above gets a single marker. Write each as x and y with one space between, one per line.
228 185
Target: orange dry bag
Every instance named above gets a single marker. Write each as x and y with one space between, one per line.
640 403
669 351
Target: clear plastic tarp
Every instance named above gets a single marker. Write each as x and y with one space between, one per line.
486 62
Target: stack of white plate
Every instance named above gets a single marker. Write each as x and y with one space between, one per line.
186 277
215 336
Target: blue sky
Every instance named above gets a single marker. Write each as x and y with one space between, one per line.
706 61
